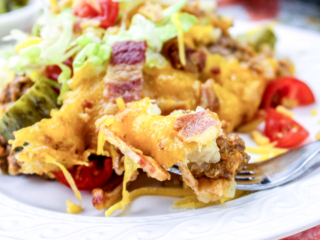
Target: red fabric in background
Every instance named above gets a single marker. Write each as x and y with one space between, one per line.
257 9
311 234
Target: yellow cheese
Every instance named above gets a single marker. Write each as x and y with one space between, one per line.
67 175
177 23
73 208
101 139
120 103
27 43
285 111
266 150
259 138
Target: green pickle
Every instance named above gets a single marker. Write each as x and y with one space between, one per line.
33 106
258 38
11 5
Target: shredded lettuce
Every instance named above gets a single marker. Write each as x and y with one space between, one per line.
142 29
57 45
169 31
174 8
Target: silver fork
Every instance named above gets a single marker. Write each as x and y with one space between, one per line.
278 170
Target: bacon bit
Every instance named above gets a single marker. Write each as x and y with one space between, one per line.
48 140
129 91
193 125
124 77
209 99
215 70
129 52
195 59
86 104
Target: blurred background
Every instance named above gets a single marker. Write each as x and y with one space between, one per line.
299 13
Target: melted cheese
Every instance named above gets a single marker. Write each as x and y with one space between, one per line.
155 136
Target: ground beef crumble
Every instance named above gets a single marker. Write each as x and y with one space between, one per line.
233 159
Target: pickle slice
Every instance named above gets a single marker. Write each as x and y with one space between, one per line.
259 37
29 109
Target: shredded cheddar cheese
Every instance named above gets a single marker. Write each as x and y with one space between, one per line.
314 112
130 168
176 22
73 208
259 138
101 138
265 157
120 103
191 201
285 111
67 175
27 43
266 150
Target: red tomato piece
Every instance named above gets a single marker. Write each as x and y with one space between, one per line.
107 14
88 177
289 92
53 71
284 130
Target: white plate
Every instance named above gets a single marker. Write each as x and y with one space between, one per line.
31 208
20 19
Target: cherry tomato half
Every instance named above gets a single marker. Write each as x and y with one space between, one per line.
106 11
284 130
53 71
88 177
289 92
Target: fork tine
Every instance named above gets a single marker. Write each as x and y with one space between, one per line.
245 172
244 178
249 181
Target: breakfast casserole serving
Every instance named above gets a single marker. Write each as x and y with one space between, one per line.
103 92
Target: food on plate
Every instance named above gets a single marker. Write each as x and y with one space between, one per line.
102 93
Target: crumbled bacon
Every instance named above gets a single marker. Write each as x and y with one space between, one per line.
129 52
196 59
215 70
191 126
86 104
227 46
124 77
109 194
208 97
